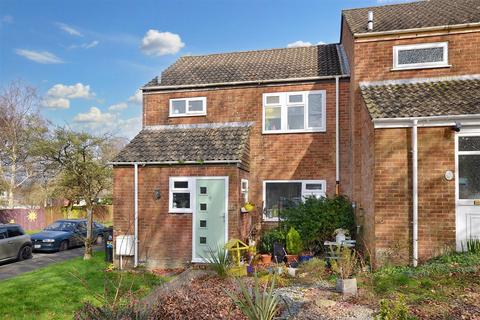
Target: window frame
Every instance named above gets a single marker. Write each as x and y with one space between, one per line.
244 191
304 192
423 65
172 190
187 112
284 106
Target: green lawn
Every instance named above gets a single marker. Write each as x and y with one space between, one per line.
56 291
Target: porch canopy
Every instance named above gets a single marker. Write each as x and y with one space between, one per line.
188 144
422 98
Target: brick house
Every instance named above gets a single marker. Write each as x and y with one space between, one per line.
386 117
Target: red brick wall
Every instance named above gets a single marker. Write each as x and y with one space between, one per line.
272 156
166 239
372 60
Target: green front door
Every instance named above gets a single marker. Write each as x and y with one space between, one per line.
210 216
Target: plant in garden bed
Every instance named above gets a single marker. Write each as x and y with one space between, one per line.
256 303
294 245
218 261
268 239
312 271
394 310
344 266
317 218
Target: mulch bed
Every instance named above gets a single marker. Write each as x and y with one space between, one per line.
204 298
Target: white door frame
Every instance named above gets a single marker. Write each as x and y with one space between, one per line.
194 212
465 132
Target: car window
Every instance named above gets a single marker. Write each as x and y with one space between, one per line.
3 233
82 226
98 225
14 232
61 226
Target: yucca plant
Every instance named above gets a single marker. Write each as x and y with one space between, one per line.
218 260
256 303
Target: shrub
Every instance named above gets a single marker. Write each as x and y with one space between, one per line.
294 242
346 263
313 270
268 238
218 261
317 219
255 303
394 310
107 312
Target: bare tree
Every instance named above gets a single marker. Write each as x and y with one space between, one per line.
20 124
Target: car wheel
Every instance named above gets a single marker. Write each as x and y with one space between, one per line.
25 253
63 246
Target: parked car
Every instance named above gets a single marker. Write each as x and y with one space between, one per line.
64 234
14 243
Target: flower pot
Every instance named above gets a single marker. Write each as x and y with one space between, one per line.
266 258
291 258
292 272
348 287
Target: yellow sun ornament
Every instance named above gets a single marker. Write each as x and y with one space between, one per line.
32 216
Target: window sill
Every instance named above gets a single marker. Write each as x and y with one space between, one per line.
295 132
422 67
187 115
180 212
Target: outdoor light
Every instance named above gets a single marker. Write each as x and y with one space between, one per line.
157 195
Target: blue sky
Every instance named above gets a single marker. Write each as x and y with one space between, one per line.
88 58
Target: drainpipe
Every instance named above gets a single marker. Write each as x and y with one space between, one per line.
135 237
337 135
415 190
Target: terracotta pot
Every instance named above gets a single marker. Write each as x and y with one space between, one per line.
266 258
292 258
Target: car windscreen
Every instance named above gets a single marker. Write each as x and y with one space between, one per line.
61 226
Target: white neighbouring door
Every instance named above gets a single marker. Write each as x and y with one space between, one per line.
467 186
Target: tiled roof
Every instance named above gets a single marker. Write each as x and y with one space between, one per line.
423 98
420 14
251 66
188 143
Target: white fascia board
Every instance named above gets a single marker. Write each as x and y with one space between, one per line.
435 121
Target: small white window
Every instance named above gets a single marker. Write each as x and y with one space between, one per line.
294 112
281 194
244 189
188 107
418 56
180 195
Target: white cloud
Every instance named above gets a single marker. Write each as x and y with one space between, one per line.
105 122
301 43
56 103
58 96
69 29
6 19
44 57
86 45
118 107
137 98
156 43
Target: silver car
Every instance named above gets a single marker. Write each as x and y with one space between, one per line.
14 243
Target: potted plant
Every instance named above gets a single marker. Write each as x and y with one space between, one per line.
265 245
345 266
294 245
340 235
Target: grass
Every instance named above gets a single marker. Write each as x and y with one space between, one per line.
57 291
440 284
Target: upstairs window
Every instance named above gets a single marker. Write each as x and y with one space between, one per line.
294 112
188 107
417 56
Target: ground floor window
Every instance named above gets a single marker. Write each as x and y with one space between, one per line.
180 195
281 194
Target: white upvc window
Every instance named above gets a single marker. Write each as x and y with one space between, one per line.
187 107
290 112
244 189
180 194
281 194
419 56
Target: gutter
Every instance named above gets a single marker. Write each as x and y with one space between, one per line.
126 163
135 252
433 121
219 84
416 30
415 190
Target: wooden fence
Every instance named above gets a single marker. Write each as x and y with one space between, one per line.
36 219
